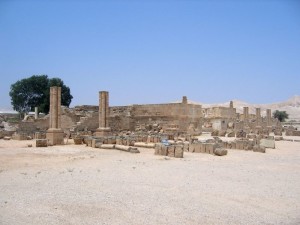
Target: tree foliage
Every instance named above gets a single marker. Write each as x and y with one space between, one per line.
280 115
35 91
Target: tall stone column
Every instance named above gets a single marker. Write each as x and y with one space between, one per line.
269 118
246 114
258 117
231 104
259 123
55 135
104 129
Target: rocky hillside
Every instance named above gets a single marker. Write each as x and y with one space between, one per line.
291 106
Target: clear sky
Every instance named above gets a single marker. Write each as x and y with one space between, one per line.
152 51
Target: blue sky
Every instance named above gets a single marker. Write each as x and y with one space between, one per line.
154 51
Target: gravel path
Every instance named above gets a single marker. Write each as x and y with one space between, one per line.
80 185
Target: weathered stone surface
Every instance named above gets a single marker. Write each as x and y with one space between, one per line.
107 146
209 148
220 151
278 138
77 140
296 133
123 148
55 135
215 133
222 133
251 136
241 134
179 151
157 149
134 150
259 148
278 132
41 143
186 147
239 144
164 150
144 145
6 138
98 145
267 143
231 134
171 151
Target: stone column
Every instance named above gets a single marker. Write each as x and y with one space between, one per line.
55 135
231 104
269 118
184 100
36 113
246 113
104 129
259 123
258 117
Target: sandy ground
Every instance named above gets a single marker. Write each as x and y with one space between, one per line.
81 185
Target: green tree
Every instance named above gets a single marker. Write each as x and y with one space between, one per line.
35 91
66 96
280 115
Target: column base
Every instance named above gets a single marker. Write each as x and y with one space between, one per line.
55 136
102 132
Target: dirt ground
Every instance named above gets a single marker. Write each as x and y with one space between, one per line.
82 185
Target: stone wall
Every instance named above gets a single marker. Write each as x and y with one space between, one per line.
176 115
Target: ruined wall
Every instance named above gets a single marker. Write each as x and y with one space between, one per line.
120 118
166 115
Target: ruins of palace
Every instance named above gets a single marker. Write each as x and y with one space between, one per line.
178 124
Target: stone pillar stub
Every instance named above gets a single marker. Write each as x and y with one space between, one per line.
104 129
55 135
231 104
184 100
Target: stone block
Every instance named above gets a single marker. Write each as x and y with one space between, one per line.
77 140
296 133
134 150
186 147
220 151
259 148
241 134
107 146
164 150
98 145
157 149
171 151
41 143
55 136
215 133
144 145
123 148
179 151
248 145
192 147
251 136
278 138
209 148
240 144
267 143
222 133
198 147
231 134
6 138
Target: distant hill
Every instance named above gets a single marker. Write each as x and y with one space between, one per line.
291 106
